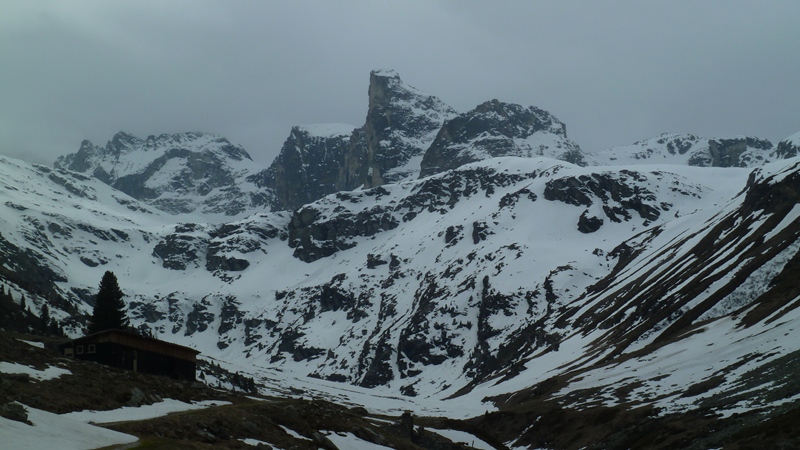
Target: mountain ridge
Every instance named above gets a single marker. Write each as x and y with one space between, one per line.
179 173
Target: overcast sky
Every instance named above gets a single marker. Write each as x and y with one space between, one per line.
614 72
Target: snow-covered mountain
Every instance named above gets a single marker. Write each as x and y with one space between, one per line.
688 149
789 147
471 271
178 173
511 281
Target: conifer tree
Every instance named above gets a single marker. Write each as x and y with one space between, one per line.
109 309
44 319
22 303
53 328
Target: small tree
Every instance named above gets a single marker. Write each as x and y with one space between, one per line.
44 319
22 305
54 328
109 309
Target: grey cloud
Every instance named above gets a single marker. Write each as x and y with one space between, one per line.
614 72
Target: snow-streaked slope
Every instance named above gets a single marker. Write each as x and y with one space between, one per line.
63 227
480 281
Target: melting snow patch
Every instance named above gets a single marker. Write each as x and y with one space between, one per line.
463 437
41 375
256 442
56 431
293 433
352 442
35 344
128 413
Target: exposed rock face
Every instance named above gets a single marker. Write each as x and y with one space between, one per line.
688 149
620 193
225 248
28 267
318 160
309 165
313 237
177 173
401 124
499 129
734 152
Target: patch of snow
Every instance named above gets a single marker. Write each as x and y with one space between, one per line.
256 443
463 437
294 434
351 441
56 431
40 375
35 344
129 413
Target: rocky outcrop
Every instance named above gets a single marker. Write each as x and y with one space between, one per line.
619 194
313 238
224 248
177 173
495 129
733 152
28 268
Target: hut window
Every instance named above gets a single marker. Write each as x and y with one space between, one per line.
91 349
79 349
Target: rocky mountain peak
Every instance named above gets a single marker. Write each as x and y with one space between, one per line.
317 160
495 128
177 173
401 124
404 126
123 142
789 147
381 85
692 150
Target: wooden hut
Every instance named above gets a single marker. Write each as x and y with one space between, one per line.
130 351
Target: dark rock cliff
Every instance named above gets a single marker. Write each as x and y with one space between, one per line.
308 166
